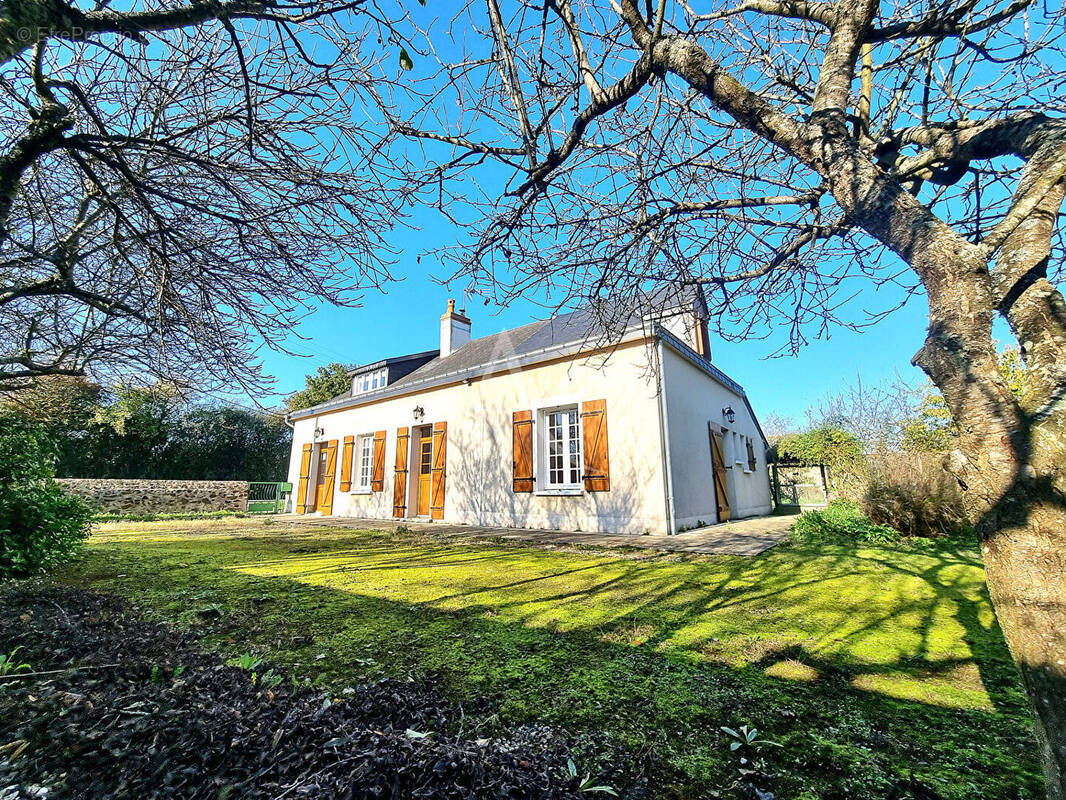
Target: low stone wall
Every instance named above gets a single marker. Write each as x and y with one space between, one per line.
133 496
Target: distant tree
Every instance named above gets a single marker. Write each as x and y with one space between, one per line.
220 443
873 413
931 429
67 409
149 432
135 428
324 384
776 425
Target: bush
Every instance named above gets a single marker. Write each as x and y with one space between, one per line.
41 525
841 521
915 496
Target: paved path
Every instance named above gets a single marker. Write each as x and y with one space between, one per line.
745 537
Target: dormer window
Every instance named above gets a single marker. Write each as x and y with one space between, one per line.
369 381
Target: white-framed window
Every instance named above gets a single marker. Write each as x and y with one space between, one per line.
559 467
364 463
368 381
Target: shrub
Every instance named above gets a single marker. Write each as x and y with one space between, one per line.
41 525
841 521
833 446
916 496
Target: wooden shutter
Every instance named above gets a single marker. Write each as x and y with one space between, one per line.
594 445
522 464
377 480
440 456
301 486
346 464
752 462
721 492
331 476
399 488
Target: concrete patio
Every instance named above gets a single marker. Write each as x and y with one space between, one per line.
746 537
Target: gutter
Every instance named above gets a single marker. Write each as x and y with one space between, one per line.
664 436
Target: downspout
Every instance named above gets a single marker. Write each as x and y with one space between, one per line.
664 438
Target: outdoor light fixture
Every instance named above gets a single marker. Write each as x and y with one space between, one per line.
729 414
419 412
320 432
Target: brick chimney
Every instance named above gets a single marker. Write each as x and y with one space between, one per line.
701 335
454 330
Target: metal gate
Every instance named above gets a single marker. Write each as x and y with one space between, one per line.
266 497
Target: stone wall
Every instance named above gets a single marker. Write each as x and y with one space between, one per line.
134 496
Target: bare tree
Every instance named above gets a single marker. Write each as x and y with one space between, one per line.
178 180
780 155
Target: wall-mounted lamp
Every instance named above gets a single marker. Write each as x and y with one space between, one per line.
729 414
419 413
319 433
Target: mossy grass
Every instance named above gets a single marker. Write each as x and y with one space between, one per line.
879 669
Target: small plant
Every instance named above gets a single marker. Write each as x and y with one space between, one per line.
270 679
587 783
747 737
249 661
178 670
403 529
9 666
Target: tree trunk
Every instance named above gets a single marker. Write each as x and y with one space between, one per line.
1022 540
1011 466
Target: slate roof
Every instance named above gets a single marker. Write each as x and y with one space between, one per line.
572 332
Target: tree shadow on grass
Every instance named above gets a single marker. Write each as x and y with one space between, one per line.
621 657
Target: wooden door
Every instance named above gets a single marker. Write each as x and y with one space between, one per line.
721 492
320 476
325 477
425 471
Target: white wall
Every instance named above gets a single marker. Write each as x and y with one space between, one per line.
693 399
478 489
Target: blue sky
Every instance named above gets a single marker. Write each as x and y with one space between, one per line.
407 318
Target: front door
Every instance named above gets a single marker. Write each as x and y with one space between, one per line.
321 477
425 471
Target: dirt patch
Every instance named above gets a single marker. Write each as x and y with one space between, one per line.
113 706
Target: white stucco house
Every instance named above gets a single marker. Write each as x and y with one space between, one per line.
541 426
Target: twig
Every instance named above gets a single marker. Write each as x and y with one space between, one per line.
57 671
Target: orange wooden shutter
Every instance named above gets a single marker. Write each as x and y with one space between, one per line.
594 442
752 462
721 490
346 464
377 482
522 465
399 489
440 456
331 476
305 472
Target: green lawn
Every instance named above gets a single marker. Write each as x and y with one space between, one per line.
881 671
